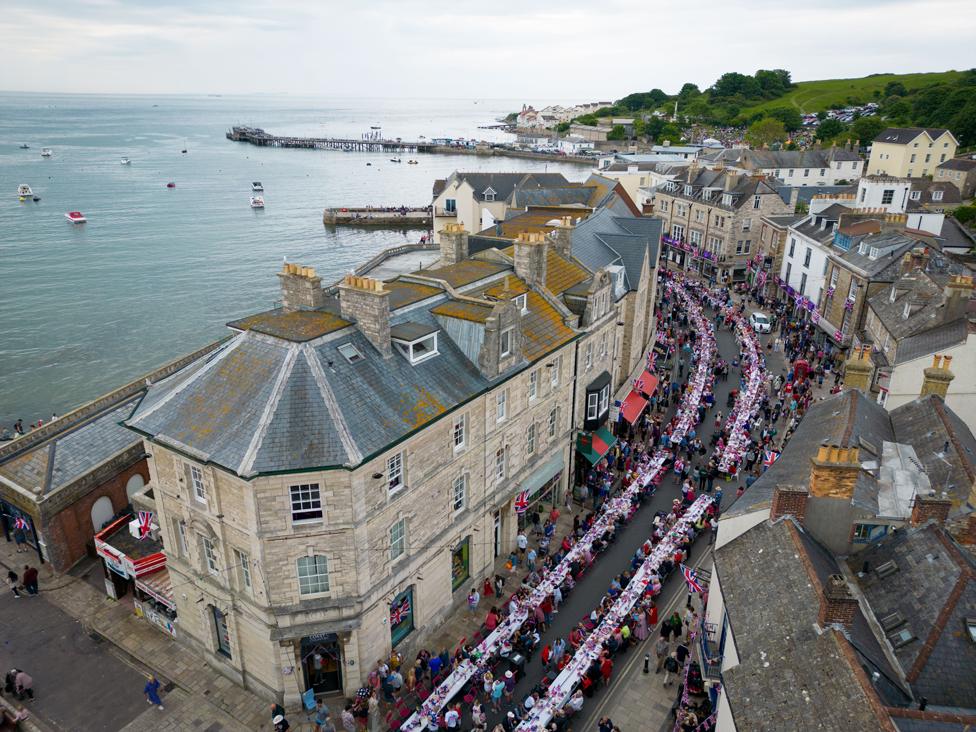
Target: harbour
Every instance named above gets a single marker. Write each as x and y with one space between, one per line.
377 216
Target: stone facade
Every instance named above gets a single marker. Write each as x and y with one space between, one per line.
365 301
834 472
301 288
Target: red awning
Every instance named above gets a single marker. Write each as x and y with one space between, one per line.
632 406
646 383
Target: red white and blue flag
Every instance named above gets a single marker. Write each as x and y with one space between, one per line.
769 457
400 613
145 523
20 523
691 577
522 501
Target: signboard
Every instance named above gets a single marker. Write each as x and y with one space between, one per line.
156 618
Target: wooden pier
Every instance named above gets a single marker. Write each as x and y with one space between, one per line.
257 136
388 218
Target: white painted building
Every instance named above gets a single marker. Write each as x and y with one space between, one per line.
805 259
574 145
887 194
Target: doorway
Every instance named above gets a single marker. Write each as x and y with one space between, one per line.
322 663
497 534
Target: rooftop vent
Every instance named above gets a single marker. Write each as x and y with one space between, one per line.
887 569
892 621
902 638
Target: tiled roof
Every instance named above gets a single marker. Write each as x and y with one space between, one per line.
503 184
543 328
464 310
789 675
298 325
950 194
916 289
562 273
465 272
904 135
891 246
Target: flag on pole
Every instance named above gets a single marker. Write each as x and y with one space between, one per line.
691 577
20 523
522 502
145 523
769 457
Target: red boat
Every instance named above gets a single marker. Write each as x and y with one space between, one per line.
171 185
76 217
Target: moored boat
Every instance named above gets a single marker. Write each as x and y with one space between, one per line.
24 190
171 184
257 202
75 217
46 152
125 161
257 186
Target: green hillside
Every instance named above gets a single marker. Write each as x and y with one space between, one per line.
817 96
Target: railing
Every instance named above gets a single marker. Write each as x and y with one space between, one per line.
439 211
710 649
382 257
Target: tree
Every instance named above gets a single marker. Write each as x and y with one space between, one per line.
866 129
765 132
829 129
688 91
617 133
643 100
562 127
789 116
894 89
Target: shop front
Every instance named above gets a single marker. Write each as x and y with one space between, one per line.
540 489
13 519
321 655
154 600
634 404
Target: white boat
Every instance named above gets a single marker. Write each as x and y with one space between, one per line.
257 202
24 190
125 161
256 186
46 152
75 217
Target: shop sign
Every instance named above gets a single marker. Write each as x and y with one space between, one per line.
155 617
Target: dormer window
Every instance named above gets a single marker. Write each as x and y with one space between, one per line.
915 195
489 194
505 347
907 311
936 195
522 302
726 199
687 190
419 349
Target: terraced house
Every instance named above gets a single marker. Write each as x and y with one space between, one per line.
333 479
712 219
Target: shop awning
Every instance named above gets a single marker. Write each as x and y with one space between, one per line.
594 445
543 475
646 383
632 406
158 586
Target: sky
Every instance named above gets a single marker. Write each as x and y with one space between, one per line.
500 49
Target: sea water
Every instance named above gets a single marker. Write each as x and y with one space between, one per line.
157 272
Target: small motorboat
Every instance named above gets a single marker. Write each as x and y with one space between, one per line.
412 162
47 152
25 146
368 163
125 161
171 184
24 190
36 199
257 187
374 127
395 160
75 217
257 201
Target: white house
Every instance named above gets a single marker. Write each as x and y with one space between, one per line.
834 166
807 252
574 145
887 194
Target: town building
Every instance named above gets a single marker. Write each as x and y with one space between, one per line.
593 133
574 144
712 219
911 152
815 167
331 482
768 261
961 172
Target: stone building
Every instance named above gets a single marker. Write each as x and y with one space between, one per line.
712 219
332 481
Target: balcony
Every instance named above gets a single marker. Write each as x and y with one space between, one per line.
711 646
441 212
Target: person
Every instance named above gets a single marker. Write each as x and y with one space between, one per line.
662 647
473 599
24 685
12 581
277 709
30 580
348 720
670 668
280 723
20 539
322 716
605 724
523 544
151 690
575 702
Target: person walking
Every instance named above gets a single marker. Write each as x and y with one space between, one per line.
662 648
473 599
30 580
151 690
670 668
12 581
323 721
20 539
24 685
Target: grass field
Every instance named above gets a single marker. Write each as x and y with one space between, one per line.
814 96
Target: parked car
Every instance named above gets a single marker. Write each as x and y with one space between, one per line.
760 322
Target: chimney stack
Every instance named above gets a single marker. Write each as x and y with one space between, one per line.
837 605
454 244
967 535
937 377
562 237
530 258
789 500
367 302
834 473
930 507
858 369
957 292
301 288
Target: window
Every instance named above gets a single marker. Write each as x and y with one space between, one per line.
726 199
306 503
823 172
522 303
418 350
394 473
695 237
720 221
792 245
677 231
530 440
776 174
928 157
756 201
864 193
450 205
807 256
313 575
747 224
664 206
401 616
854 165
806 172
589 356
603 345
942 158
554 372
184 544
738 246
398 539
699 216
500 463
501 404
833 278
803 282
789 266
243 569
506 342
458 432
199 490
912 158
915 195
887 196
605 399
687 190
936 195
553 420
210 555
350 352
592 405
459 493
747 247
790 174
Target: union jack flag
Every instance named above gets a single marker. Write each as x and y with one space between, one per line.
400 613
769 457
145 523
20 523
691 577
522 502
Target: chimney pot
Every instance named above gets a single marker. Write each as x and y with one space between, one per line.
930 507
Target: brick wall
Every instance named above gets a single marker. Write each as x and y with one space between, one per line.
930 507
837 605
789 500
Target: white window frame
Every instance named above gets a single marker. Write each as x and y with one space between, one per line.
397 535
419 350
350 352
243 564
459 493
554 372
888 193
501 406
210 555
530 439
553 421
500 463
314 582
592 405
505 342
936 195
533 384
756 203
589 356
306 498
522 302
394 474
199 487
605 399
915 195
459 432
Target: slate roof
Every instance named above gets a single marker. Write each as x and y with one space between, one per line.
298 325
504 184
73 453
740 186
964 164
933 589
951 195
606 239
904 135
465 272
568 195
887 266
955 235
931 341
918 289
805 194
789 676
